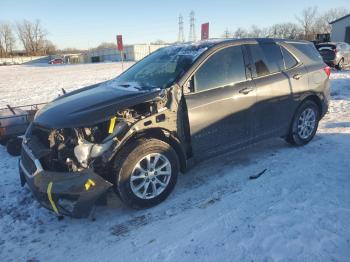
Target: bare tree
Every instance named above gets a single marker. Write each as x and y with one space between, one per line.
285 30
307 20
7 39
32 36
256 31
105 45
322 22
49 48
240 33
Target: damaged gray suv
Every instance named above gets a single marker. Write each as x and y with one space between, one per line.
179 105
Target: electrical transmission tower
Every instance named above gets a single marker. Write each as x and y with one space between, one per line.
192 36
181 37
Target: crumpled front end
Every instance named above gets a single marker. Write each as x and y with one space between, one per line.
69 169
66 193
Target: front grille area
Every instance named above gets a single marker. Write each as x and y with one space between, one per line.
27 162
42 134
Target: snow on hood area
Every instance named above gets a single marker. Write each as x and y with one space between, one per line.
297 210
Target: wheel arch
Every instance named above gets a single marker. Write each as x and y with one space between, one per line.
316 99
160 134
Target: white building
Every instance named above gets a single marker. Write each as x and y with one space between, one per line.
131 53
341 29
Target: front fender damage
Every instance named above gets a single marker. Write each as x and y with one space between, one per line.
77 162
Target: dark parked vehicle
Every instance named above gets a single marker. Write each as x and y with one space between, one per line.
335 54
179 105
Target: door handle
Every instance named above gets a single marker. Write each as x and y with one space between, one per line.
297 76
246 90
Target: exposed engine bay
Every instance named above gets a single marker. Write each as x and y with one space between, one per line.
76 149
68 162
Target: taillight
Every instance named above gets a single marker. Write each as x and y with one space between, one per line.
327 70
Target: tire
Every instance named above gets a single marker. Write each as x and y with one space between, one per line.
340 65
14 146
296 136
128 177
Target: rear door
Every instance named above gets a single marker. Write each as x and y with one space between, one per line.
298 78
219 107
273 90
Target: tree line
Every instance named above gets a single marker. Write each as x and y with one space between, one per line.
306 26
31 35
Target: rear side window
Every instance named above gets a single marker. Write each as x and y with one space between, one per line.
224 68
267 58
289 60
308 50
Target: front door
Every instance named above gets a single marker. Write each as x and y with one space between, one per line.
219 108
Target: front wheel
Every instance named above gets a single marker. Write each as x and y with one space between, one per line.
304 125
146 172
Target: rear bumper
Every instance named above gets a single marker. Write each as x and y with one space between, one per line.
69 194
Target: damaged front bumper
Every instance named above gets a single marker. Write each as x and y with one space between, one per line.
66 193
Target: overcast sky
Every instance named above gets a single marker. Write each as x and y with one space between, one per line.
86 23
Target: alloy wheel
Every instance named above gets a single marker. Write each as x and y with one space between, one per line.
306 123
150 176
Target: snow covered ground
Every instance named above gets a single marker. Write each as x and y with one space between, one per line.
298 210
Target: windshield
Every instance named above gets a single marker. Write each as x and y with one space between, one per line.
160 69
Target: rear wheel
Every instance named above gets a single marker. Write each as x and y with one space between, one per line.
304 125
146 172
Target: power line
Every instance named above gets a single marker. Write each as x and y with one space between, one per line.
181 36
192 35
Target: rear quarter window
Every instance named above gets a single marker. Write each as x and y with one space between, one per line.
289 60
309 50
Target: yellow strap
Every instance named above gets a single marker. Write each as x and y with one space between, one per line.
89 183
49 187
111 125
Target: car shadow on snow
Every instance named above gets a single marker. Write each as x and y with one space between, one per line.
338 124
225 174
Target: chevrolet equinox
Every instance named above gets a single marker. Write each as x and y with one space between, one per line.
179 105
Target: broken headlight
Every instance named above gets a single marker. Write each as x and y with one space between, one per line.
86 150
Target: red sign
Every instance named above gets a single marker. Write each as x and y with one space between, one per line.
120 46
205 31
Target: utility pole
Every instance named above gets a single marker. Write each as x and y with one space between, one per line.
181 36
227 33
192 35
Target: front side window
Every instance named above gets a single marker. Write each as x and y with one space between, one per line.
224 68
267 58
